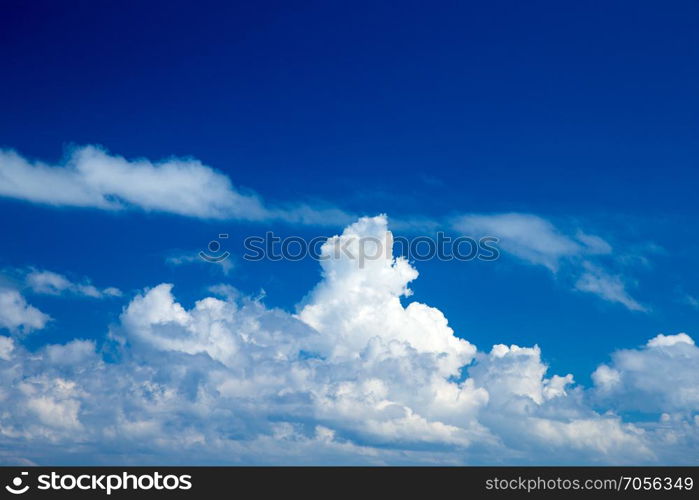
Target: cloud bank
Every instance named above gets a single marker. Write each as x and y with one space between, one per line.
359 374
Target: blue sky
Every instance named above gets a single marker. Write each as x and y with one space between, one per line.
568 131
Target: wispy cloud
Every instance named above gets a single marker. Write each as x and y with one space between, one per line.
187 258
91 177
609 287
532 238
51 283
538 241
691 301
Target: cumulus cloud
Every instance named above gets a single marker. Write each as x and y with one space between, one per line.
359 374
17 315
48 282
538 241
374 288
661 376
91 177
535 415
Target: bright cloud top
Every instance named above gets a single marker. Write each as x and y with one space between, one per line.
355 376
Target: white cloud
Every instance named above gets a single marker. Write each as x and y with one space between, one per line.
593 244
662 376
48 282
537 416
354 377
373 288
7 345
531 237
73 353
53 412
224 330
537 241
610 287
17 315
518 371
670 340
91 177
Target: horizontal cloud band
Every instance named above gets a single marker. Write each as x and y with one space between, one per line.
91 177
354 377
